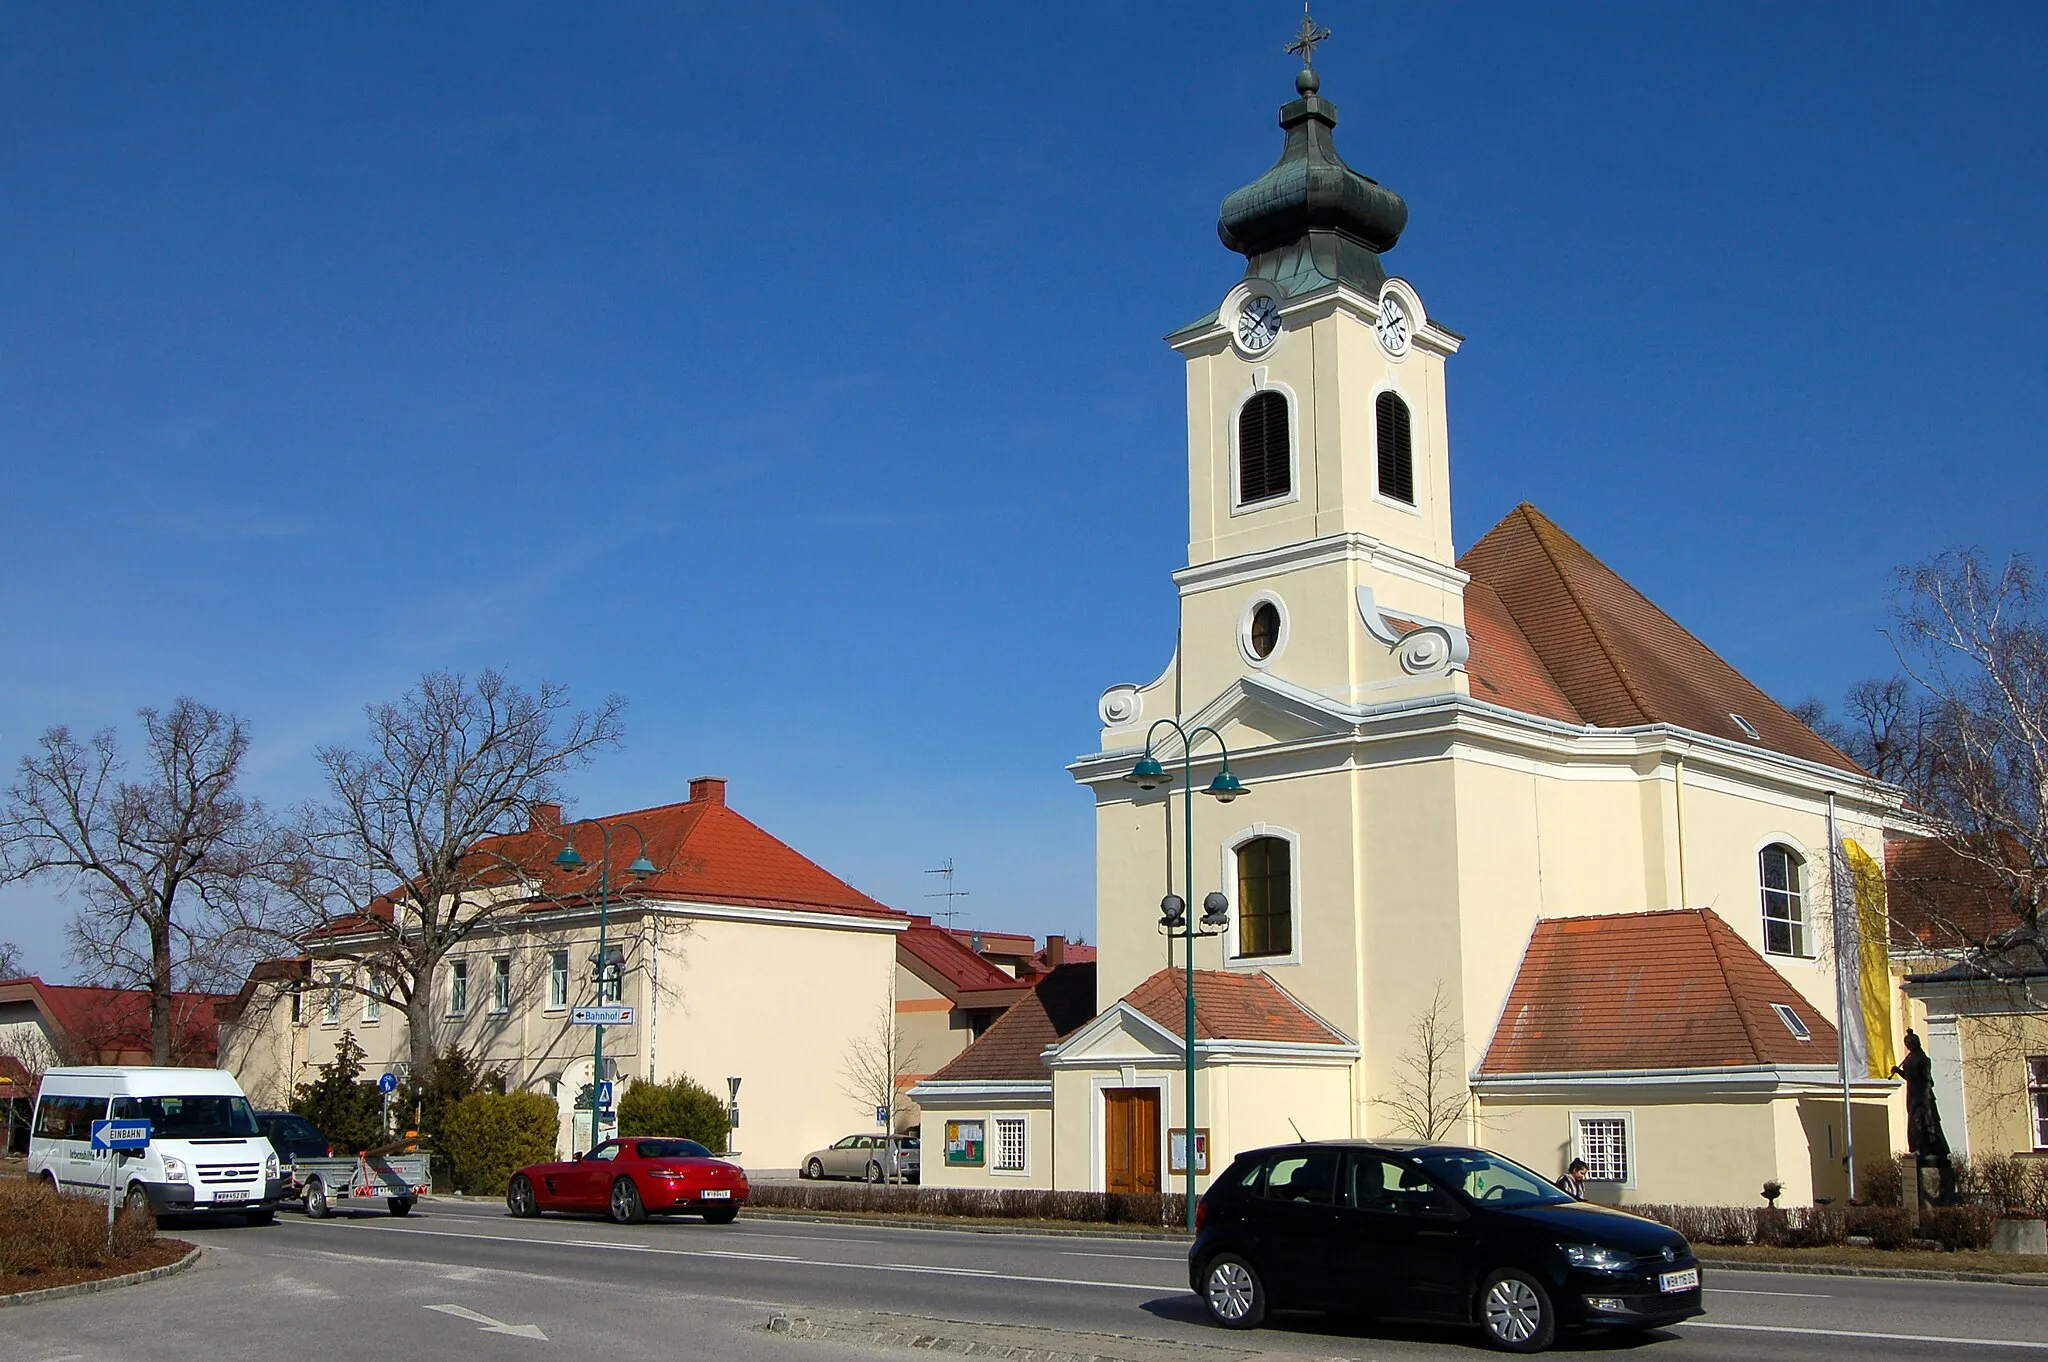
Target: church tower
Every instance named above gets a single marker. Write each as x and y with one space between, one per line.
1319 518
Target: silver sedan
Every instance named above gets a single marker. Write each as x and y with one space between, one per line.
867 1157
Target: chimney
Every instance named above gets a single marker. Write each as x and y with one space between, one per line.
707 790
1055 951
544 818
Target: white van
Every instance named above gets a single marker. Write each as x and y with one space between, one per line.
205 1153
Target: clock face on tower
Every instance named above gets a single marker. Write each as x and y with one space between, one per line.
1258 324
1394 326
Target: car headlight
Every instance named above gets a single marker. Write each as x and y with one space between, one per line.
1598 1258
174 1169
270 1167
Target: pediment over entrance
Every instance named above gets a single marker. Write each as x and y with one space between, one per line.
1121 1034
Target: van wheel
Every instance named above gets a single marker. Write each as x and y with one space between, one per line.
1515 1311
136 1202
1233 1292
316 1200
56 1187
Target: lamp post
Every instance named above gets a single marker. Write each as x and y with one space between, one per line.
640 869
1148 774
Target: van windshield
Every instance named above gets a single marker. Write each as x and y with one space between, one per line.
189 1118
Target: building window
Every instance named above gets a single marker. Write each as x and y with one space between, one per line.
458 988
611 976
1265 897
373 1000
1264 456
1264 634
331 1005
1601 1138
1397 448
2037 1090
298 1001
501 983
1009 1144
558 979
1781 870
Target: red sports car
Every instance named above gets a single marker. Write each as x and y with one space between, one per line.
631 1179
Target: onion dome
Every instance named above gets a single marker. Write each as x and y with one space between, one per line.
1312 220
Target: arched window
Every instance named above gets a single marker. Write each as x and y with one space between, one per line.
1397 448
1781 869
1263 471
1265 897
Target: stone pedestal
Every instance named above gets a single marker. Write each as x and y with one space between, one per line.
2020 1236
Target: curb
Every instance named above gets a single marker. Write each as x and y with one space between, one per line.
1921 1274
56 1293
964 1226
1041 1346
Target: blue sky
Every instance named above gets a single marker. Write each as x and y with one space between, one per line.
796 372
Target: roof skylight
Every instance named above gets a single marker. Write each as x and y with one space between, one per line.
1791 1020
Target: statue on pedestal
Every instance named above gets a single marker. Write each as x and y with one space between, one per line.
1924 1135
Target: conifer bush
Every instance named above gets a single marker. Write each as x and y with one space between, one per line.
489 1136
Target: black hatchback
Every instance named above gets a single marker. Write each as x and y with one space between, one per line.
1433 1232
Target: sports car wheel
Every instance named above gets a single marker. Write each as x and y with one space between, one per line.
1232 1291
626 1207
519 1197
1515 1311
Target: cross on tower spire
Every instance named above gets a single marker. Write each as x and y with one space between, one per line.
1305 41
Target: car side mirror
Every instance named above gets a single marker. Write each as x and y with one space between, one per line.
579 1156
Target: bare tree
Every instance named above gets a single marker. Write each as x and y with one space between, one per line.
398 868
1429 1095
171 867
12 964
1974 639
876 1065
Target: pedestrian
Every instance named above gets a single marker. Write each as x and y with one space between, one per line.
1573 1183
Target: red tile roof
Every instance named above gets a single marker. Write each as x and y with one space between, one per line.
1061 1004
945 962
1938 900
1677 989
1231 1007
111 1025
1596 644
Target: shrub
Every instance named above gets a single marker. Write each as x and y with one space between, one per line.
1000 1203
2013 1184
1882 1183
425 1098
1705 1224
45 1231
348 1111
488 1136
678 1107
1888 1227
1958 1228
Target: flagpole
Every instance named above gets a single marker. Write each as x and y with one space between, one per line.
1842 1001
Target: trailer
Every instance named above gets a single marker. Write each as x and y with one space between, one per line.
325 1185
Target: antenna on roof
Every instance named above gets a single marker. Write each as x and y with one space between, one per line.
949 893
1299 1138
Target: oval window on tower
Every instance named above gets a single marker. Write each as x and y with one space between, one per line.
1264 635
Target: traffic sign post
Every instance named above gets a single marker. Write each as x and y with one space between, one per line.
115 1138
387 1085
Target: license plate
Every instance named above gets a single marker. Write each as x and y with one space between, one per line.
717 1194
230 1196
1679 1281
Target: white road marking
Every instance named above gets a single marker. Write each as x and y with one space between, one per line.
1739 1291
388 1228
486 1324
1880 1338
1124 1257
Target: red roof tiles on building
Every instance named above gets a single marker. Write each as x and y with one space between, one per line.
1009 1051
1938 900
1677 989
111 1025
945 962
1614 658
1231 1007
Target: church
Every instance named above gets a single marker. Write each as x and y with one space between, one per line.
1484 846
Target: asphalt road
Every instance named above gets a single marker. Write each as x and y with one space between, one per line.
375 1287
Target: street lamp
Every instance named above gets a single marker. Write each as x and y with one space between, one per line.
1149 774
641 868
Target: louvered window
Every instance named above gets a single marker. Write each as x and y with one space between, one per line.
1262 449
1397 449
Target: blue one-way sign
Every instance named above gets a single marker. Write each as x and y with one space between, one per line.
388 1084
120 1134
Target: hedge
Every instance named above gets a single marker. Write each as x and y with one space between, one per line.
679 1107
1887 1227
42 1230
488 1136
993 1203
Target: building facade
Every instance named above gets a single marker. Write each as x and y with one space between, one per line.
1447 755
